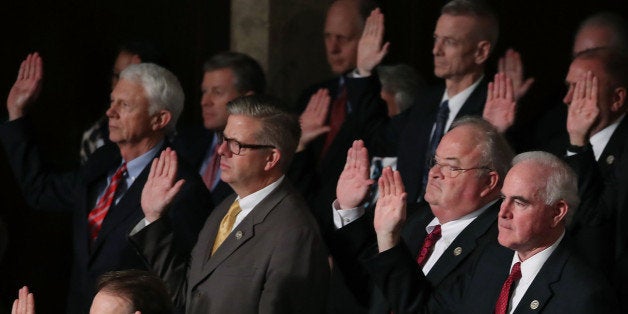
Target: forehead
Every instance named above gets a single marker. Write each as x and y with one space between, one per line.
461 143
343 18
593 36
219 77
129 89
579 67
524 179
242 128
456 26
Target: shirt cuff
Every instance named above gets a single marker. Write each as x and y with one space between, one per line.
343 217
140 225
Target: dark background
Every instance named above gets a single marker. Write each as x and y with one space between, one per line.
78 38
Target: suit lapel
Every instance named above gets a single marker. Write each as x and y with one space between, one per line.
540 291
463 245
612 152
241 234
129 207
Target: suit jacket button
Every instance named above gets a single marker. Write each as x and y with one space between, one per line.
457 251
534 304
238 235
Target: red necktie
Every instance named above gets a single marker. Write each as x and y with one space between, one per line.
97 215
428 245
209 176
502 302
336 118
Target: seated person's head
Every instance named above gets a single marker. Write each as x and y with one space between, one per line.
131 291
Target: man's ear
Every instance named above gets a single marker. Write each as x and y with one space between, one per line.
619 100
492 181
272 161
482 51
160 119
559 214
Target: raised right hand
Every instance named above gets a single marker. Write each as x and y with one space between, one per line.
160 188
354 181
27 86
390 211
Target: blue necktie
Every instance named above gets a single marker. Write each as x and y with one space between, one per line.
439 131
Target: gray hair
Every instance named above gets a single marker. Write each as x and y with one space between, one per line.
496 153
402 81
162 88
612 22
489 26
561 180
279 128
249 75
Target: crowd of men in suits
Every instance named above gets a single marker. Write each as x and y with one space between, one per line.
262 210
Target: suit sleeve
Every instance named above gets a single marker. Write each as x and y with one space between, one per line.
592 223
155 244
41 187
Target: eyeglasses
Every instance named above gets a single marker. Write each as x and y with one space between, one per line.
235 147
453 171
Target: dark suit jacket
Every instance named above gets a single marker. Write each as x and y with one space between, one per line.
77 191
316 177
274 261
597 226
355 241
191 145
415 128
563 285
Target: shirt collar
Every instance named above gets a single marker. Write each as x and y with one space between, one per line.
451 229
457 101
531 267
135 167
248 202
601 138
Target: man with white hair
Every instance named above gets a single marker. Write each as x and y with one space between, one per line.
532 268
104 194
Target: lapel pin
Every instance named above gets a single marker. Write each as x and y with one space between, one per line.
610 159
238 235
457 251
534 304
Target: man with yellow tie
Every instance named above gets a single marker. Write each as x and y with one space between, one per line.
260 251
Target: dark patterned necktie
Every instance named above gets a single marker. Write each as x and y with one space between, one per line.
336 118
439 131
428 245
97 215
504 296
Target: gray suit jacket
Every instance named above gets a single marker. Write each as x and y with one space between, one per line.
274 261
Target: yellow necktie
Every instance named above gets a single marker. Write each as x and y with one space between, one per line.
226 225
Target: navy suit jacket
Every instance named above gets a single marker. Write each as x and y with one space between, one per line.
415 129
191 145
354 245
76 191
563 285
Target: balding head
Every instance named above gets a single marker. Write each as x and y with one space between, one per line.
604 29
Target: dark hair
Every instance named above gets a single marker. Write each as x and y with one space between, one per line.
248 73
279 128
146 291
488 24
147 51
614 61
612 22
